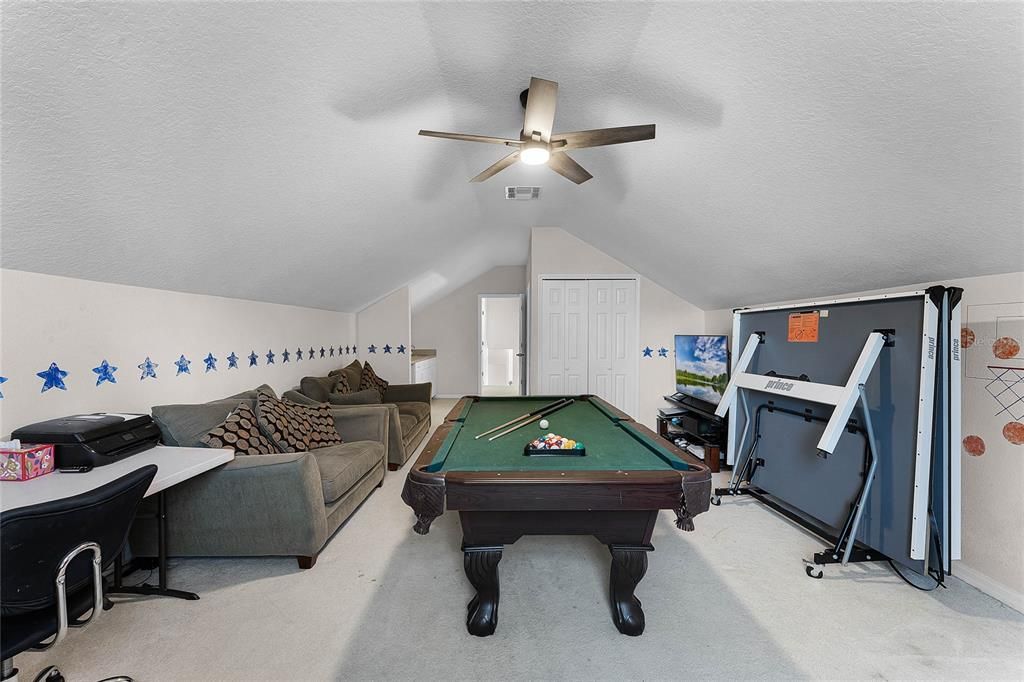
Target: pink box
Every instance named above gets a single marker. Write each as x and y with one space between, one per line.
28 462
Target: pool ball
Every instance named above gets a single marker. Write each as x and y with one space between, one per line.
543 424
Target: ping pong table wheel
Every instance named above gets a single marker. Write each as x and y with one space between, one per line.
810 571
716 500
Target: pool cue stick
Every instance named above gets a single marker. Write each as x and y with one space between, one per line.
530 421
522 416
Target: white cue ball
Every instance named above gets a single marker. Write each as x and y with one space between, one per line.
543 424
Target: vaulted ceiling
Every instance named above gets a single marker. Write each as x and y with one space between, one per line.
268 150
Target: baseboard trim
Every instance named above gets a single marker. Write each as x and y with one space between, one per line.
993 588
449 396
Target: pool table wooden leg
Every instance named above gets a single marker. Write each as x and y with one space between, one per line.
481 564
629 564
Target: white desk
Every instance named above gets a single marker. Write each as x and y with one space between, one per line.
174 465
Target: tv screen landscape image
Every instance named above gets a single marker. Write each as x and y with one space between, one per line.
702 367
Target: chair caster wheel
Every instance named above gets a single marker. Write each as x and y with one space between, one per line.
49 674
813 573
716 500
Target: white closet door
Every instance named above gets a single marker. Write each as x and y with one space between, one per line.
552 337
613 322
576 337
563 346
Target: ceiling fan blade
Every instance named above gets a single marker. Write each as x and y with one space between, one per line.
540 109
564 165
603 136
497 167
471 138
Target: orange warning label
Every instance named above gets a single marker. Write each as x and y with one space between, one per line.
803 327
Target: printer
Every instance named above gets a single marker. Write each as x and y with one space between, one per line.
93 439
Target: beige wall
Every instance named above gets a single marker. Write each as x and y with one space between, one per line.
387 322
450 326
993 483
554 251
78 324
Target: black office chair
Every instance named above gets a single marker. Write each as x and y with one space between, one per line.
52 557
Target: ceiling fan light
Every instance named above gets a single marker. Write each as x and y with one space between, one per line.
534 155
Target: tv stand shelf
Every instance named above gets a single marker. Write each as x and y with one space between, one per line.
697 425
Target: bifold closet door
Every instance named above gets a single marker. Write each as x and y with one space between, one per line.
563 360
612 335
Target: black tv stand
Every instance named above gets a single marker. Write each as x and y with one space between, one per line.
696 422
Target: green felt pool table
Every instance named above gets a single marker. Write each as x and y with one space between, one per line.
613 492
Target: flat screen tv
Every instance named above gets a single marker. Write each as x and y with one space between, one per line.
702 367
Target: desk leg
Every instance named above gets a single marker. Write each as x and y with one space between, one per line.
629 564
481 564
145 589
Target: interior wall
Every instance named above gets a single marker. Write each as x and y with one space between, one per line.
662 314
385 336
449 326
993 481
77 324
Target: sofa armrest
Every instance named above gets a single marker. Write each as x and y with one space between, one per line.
362 422
409 393
253 505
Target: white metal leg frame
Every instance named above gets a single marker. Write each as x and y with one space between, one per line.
843 399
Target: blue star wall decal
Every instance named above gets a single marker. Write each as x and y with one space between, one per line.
232 361
371 348
312 353
211 362
105 372
648 352
53 377
182 364
270 356
401 349
285 355
322 351
298 354
3 380
332 351
253 358
148 368
663 352
387 347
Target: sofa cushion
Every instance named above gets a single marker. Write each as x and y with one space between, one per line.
294 427
241 433
371 380
419 410
353 372
368 397
408 423
341 466
342 386
185 425
317 388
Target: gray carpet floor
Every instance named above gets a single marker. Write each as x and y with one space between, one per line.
728 601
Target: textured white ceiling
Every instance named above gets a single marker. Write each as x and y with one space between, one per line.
269 150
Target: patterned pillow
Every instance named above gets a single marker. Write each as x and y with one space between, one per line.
240 432
296 428
371 380
342 386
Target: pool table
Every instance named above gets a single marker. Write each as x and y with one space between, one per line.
614 492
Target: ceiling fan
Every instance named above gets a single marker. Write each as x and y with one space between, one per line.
538 145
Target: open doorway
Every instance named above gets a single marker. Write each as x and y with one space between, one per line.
502 347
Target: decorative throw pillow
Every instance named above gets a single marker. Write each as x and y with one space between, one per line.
294 427
371 380
240 432
342 386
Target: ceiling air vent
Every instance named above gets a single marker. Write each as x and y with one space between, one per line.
522 193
